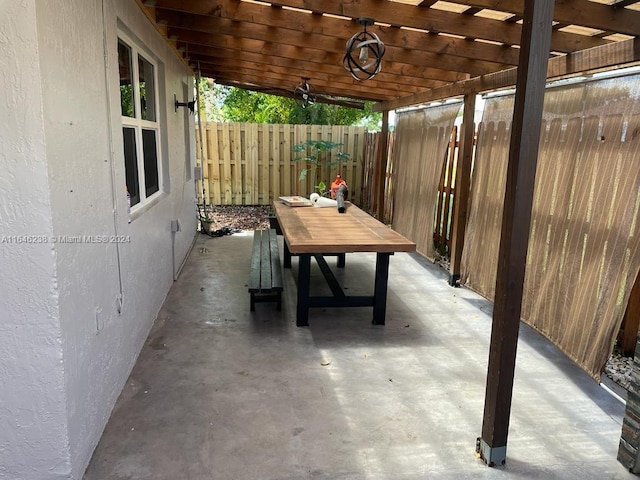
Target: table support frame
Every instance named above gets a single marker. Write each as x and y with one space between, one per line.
338 299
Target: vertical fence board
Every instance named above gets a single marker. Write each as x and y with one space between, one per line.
285 150
349 147
236 143
213 159
252 174
275 163
358 160
299 136
316 175
226 165
263 197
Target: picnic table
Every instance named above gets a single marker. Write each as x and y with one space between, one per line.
318 232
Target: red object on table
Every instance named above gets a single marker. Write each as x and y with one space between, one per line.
336 184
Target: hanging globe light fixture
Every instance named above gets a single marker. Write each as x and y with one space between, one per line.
363 56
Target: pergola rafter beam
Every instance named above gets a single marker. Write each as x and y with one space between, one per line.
606 56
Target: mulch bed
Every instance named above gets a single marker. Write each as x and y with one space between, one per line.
228 219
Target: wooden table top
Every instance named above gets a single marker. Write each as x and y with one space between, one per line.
324 230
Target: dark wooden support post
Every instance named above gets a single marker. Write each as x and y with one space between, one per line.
629 447
461 199
628 336
380 169
516 218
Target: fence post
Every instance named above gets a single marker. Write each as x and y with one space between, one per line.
463 175
380 169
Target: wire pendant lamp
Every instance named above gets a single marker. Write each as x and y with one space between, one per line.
303 93
363 56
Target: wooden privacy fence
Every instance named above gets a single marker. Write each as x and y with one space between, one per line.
446 187
253 164
446 197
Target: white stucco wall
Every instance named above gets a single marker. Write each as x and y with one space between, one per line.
33 421
66 349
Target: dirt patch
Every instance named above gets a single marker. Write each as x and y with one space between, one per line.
237 217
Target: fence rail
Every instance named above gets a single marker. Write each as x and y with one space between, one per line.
253 164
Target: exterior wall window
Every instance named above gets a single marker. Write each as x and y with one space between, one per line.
140 125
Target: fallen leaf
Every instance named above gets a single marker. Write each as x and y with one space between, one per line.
324 363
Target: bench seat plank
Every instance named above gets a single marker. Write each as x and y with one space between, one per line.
254 274
276 268
265 278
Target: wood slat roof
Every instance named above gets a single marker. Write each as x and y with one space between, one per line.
434 49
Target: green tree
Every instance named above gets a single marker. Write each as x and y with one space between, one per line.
315 152
247 106
211 100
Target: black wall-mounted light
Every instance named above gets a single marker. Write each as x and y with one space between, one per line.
363 57
303 93
190 105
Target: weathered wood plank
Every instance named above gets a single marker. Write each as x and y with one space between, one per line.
213 150
236 162
251 178
263 197
324 230
275 164
265 261
226 164
276 269
285 150
254 273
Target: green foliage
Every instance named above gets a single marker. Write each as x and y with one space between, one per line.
315 152
126 100
211 100
253 107
246 106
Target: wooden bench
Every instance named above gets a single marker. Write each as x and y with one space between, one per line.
265 277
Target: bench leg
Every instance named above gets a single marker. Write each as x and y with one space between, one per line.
341 260
253 302
279 301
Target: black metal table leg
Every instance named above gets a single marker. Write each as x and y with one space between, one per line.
341 260
286 261
304 281
380 289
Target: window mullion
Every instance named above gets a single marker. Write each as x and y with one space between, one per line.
140 152
139 121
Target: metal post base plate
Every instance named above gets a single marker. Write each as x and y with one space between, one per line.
492 456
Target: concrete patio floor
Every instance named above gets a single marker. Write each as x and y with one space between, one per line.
219 392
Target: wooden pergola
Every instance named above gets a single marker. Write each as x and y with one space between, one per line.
435 50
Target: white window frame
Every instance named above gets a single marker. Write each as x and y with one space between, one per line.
138 124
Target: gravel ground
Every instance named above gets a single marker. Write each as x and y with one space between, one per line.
618 369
